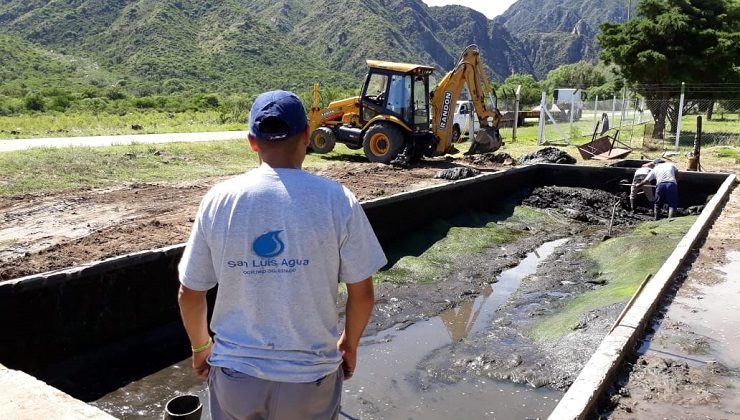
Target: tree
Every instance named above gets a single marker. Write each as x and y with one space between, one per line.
674 41
531 89
581 75
591 79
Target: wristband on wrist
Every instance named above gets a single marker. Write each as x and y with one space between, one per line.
202 348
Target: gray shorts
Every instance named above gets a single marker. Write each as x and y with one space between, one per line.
235 395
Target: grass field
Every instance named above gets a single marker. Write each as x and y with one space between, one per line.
59 169
56 124
50 169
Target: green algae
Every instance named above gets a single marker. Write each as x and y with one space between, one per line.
621 264
431 255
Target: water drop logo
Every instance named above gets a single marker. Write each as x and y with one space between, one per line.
269 245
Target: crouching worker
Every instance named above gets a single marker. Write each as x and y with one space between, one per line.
640 174
277 241
666 189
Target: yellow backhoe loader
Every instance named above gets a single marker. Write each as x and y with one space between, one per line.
396 119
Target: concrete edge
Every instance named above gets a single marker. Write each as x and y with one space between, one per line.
44 279
25 397
406 195
599 371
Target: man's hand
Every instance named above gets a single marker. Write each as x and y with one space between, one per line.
349 356
200 363
193 307
360 300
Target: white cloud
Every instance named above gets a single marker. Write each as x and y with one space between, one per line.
488 8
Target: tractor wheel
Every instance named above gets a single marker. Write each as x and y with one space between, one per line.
323 140
382 142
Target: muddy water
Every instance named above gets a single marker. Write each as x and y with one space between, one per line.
702 331
712 314
386 383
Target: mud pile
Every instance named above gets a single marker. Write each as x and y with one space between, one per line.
460 172
582 204
491 158
548 155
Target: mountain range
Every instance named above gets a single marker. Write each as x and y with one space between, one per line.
166 46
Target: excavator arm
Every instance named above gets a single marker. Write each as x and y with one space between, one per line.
468 71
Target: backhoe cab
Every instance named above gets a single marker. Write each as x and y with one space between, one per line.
397 120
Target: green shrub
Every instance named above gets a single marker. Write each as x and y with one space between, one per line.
60 103
34 102
115 94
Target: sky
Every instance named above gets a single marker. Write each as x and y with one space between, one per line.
490 8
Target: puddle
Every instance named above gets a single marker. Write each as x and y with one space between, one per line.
385 384
472 316
711 314
145 399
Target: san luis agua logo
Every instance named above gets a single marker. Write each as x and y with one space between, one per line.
269 245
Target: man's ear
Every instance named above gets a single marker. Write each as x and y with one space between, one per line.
253 143
306 137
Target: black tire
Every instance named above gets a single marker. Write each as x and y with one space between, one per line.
323 140
382 142
455 134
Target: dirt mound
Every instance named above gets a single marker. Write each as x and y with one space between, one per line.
582 204
461 172
491 158
548 155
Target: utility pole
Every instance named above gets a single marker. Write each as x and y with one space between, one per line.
629 9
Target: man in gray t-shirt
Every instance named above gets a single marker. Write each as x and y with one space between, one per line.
277 241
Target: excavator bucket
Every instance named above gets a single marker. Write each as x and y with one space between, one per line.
487 140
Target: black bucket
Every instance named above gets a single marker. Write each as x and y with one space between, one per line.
184 407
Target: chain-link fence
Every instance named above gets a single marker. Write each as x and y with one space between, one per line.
633 120
720 123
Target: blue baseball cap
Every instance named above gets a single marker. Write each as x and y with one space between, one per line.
279 104
658 160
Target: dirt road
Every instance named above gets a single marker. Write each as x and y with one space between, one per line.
100 141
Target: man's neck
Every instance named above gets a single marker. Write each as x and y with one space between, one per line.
282 163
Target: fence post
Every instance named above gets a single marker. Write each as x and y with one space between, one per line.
614 107
680 115
596 111
541 129
516 111
570 123
624 105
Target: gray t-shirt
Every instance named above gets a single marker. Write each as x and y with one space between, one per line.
663 172
277 242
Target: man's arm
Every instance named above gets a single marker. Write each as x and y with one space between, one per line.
360 301
194 312
649 177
